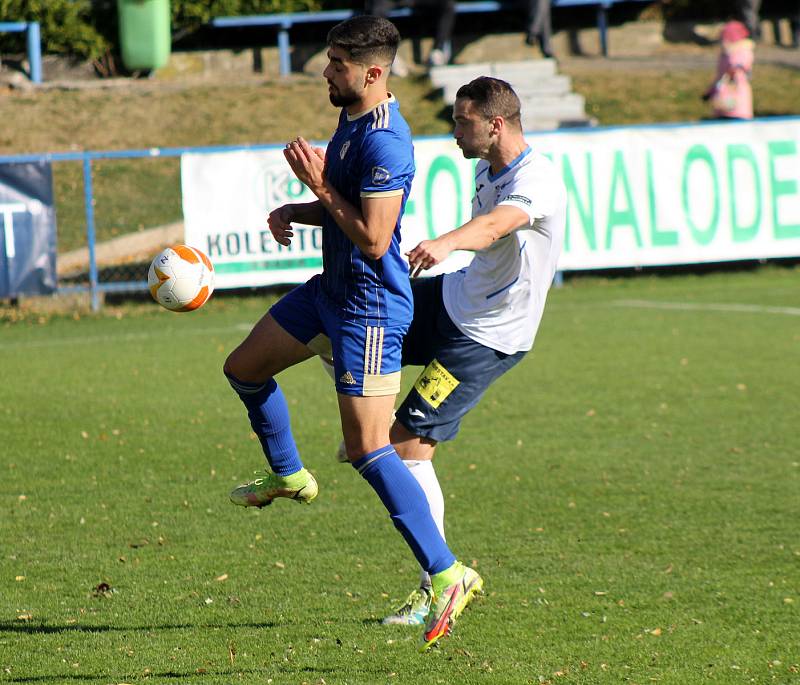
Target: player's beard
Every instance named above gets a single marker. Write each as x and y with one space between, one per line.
340 99
472 152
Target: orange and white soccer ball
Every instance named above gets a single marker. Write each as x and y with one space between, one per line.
181 278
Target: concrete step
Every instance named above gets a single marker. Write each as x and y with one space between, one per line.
546 97
552 85
531 117
553 124
568 100
508 71
527 70
571 106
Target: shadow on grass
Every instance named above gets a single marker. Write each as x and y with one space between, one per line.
42 629
79 677
176 675
255 674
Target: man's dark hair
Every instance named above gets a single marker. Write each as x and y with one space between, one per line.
366 39
492 97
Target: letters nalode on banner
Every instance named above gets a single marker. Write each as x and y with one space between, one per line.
27 230
638 196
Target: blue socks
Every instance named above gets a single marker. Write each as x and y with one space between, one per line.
269 417
408 507
399 491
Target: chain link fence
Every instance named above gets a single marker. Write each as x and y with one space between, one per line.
115 210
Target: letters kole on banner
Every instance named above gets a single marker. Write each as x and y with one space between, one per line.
642 196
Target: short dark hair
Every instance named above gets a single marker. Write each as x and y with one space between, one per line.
366 39
492 97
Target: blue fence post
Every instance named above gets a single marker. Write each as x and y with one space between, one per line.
602 26
88 198
34 51
284 51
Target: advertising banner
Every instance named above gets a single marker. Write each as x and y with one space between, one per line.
638 196
27 230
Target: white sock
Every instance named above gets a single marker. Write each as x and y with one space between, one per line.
426 476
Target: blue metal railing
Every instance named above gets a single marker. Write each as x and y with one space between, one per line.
95 287
31 28
285 21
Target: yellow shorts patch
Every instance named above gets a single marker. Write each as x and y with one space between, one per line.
435 383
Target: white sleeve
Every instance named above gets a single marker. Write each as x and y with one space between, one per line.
533 190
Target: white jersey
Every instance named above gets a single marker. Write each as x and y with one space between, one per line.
499 298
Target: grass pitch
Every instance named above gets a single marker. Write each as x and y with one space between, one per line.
630 493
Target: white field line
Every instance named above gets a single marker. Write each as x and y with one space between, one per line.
709 307
156 333
160 333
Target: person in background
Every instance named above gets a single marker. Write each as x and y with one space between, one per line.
748 14
440 12
731 95
539 29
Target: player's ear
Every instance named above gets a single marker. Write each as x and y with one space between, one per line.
498 124
374 73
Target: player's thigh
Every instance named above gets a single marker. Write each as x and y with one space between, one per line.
265 352
367 371
450 386
279 340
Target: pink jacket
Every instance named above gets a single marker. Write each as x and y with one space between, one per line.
731 94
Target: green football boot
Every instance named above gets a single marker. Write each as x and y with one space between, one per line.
300 486
450 602
414 611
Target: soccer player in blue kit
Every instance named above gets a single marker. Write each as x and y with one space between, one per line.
356 311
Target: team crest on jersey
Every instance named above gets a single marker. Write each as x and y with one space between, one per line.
380 175
345 147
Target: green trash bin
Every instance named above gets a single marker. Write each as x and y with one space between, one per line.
144 33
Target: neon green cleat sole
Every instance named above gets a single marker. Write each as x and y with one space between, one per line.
449 605
260 492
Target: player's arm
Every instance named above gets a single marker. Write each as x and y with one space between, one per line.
369 228
476 234
280 220
309 213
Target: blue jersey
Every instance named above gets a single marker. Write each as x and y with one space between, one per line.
369 155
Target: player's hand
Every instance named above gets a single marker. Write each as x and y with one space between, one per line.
280 224
426 255
307 163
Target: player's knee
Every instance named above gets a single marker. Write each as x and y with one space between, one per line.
237 372
359 445
229 367
354 449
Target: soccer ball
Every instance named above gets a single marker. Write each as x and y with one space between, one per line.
181 278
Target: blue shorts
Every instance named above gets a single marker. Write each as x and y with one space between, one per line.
457 370
366 359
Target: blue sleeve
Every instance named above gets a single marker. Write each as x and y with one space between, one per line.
387 162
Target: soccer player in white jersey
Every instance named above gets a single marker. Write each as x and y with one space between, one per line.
473 325
359 307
